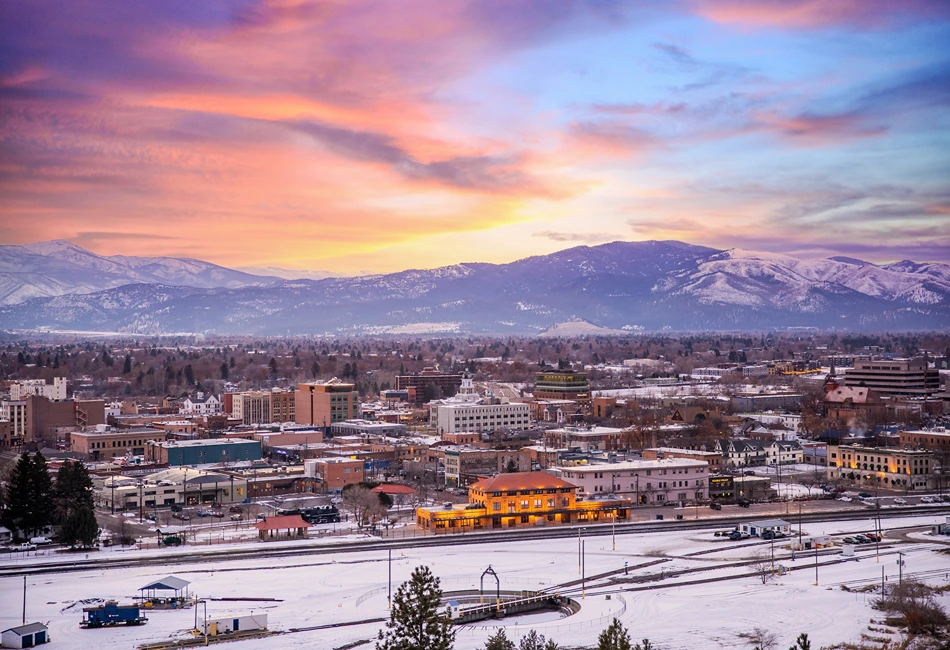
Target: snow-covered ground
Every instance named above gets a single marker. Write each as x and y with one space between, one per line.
323 589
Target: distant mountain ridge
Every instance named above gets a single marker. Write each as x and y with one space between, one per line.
620 286
59 267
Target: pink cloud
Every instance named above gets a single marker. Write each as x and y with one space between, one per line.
807 14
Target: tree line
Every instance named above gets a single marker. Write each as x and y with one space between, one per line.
31 501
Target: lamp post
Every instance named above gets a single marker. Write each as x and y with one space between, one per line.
816 565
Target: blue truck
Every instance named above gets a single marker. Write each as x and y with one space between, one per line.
110 613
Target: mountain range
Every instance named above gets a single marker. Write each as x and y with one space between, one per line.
621 286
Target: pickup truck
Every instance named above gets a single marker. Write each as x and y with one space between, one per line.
23 547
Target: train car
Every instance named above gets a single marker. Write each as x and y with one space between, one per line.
321 515
110 614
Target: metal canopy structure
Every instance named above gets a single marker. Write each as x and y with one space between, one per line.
170 583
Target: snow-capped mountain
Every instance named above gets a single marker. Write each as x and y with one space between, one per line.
622 286
59 267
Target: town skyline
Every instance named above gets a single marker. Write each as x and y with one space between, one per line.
359 139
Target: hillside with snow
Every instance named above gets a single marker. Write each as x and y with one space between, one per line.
612 288
59 268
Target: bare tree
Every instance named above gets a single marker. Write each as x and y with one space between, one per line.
760 638
762 567
363 503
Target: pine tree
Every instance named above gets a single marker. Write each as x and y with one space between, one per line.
499 641
127 366
16 514
224 371
802 643
416 622
615 637
535 641
80 529
72 491
41 495
29 504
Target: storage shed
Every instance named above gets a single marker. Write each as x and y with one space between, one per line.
25 636
230 624
759 527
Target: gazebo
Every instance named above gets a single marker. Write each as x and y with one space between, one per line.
156 594
282 527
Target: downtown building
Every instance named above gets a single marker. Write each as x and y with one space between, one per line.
895 377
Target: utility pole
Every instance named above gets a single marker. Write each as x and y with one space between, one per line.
579 550
584 572
24 601
816 565
900 567
613 533
389 593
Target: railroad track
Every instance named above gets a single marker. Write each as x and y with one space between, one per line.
287 549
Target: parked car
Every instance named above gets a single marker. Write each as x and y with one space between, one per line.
849 540
862 539
715 506
217 514
41 541
928 499
899 502
236 509
744 503
151 517
874 537
23 547
865 495
237 517
204 513
768 534
261 515
737 535
184 516
945 497
176 507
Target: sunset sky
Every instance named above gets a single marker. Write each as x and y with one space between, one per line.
375 136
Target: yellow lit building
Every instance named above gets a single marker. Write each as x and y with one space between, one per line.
520 499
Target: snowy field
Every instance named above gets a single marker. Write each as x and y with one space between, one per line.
323 589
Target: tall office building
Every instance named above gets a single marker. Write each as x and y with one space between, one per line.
895 377
322 404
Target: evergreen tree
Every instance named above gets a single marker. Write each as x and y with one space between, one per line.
273 367
16 513
802 643
80 528
72 491
189 375
416 622
41 494
224 371
535 641
499 641
127 366
615 637
29 504
511 467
